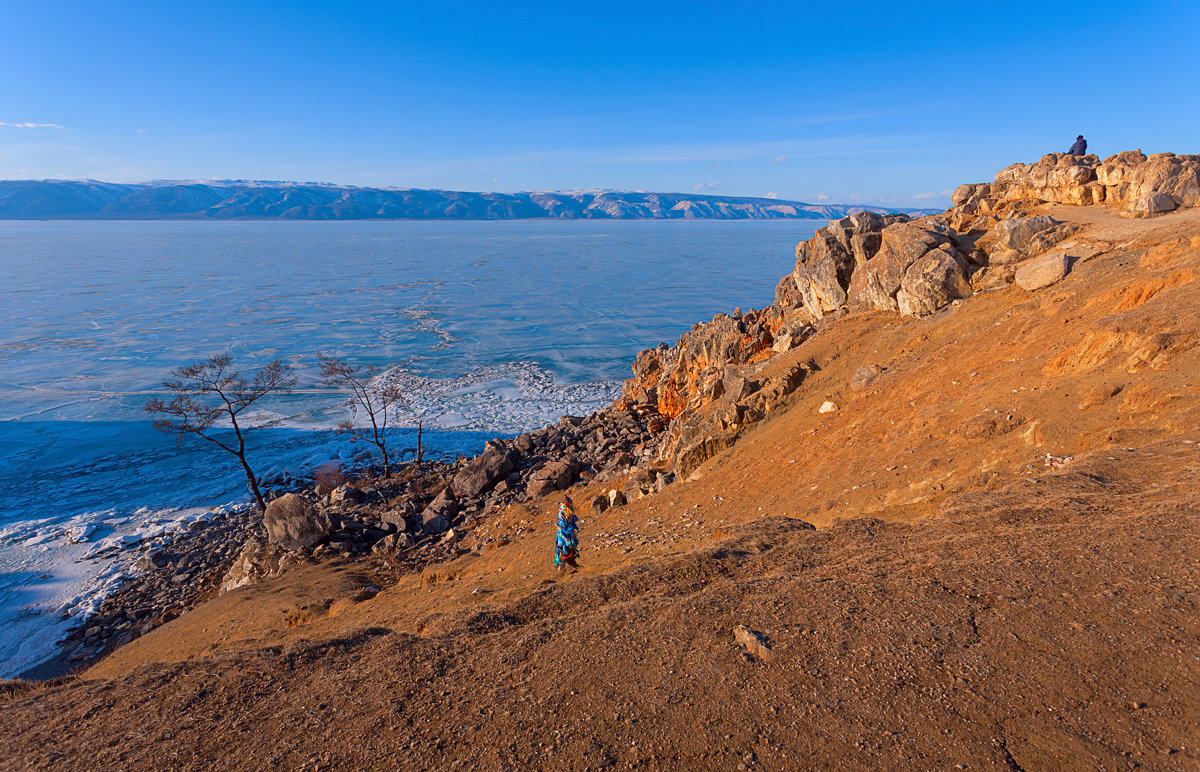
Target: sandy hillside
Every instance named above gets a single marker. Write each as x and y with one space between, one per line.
1003 574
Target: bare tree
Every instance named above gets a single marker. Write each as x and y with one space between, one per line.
211 390
368 398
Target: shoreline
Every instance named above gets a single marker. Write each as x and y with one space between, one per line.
113 625
419 515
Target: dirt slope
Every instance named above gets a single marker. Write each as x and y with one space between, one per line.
1022 593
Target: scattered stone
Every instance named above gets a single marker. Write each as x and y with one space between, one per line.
345 494
865 376
755 642
827 407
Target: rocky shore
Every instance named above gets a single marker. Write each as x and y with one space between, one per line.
683 405
841 531
421 514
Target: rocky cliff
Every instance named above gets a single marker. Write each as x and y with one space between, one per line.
1131 181
707 384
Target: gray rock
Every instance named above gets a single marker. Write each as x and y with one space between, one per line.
433 522
599 505
876 283
396 519
524 443
293 523
344 494
865 376
552 476
257 560
616 498
482 473
1021 237
1042 271
1155 203
932 281
755 642
444 500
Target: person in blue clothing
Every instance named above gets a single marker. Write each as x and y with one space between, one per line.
1080 146
566 543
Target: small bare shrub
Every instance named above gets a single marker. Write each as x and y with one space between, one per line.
328 477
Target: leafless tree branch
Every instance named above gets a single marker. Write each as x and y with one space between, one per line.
209 390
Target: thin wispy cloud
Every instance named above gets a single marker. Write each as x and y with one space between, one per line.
705 185
822 196
771 195
29 125
923 196
873 115
716 165
829 147
780 159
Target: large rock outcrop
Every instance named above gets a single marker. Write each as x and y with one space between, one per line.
1131 181
707 385
826 262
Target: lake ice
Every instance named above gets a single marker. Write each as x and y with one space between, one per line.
497 327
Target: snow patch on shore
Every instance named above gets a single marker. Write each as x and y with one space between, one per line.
57 573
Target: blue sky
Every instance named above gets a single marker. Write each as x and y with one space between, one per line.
883 102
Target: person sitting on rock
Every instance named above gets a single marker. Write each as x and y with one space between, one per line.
566 543
1080 146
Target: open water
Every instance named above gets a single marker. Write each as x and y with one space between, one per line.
499 327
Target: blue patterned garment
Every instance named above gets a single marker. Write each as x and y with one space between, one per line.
566 544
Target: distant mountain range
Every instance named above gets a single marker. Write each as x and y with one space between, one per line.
242 199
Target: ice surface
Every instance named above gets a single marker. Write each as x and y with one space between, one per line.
490 327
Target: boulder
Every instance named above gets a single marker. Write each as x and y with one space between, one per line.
445 500
822 273
1042 271
1021 237
1154 203
396 519
935 279
599 505
256 561
434 522
559 474
621 460
293 523
826 263
481 473
344 494
616 498
876 284
390 545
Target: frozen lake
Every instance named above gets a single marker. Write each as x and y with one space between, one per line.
504 325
